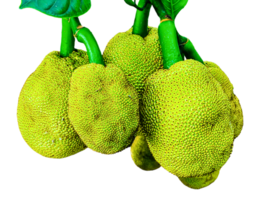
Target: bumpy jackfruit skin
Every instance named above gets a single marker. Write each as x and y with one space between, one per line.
236 110
141 153
138 57
221 77
43 107
237 115
103 108
186 116
200 182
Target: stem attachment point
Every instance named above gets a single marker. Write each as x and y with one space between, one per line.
80 27
166 18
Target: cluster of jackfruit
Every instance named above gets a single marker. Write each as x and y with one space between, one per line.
189 115
184 119
68 104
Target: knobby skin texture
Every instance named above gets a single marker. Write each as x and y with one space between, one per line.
186 116
43 107
137 57
103 108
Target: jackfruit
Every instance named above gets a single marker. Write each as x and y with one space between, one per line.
236 116
103 108
141 153
186 116
221 77
137 57
200 182
236 110
43 107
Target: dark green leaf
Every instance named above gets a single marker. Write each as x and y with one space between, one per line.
173 7
58 8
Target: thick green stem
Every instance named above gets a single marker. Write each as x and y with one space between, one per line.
169 43
141 19
187 47
85 36
168 37
67 39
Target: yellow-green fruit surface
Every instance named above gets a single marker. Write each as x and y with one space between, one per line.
138 57
103 108
236 110
43 107
221 77
186 116
200 182
237 115
141 153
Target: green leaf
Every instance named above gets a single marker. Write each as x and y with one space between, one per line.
58 8
173 7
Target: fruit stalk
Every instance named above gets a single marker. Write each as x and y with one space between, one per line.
169 43
67 39
188 49
141 19
168 37
186 45
85 36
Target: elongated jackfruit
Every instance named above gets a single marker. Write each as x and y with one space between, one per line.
43 107
103 108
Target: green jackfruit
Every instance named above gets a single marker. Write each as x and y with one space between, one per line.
221 77
236 115
137 57
103 108
236 110
186 116
200 182
43 107
141 153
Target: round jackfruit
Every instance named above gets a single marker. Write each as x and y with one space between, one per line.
236 110
103 108
43 107
186 116
200 182
137 57
141 153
